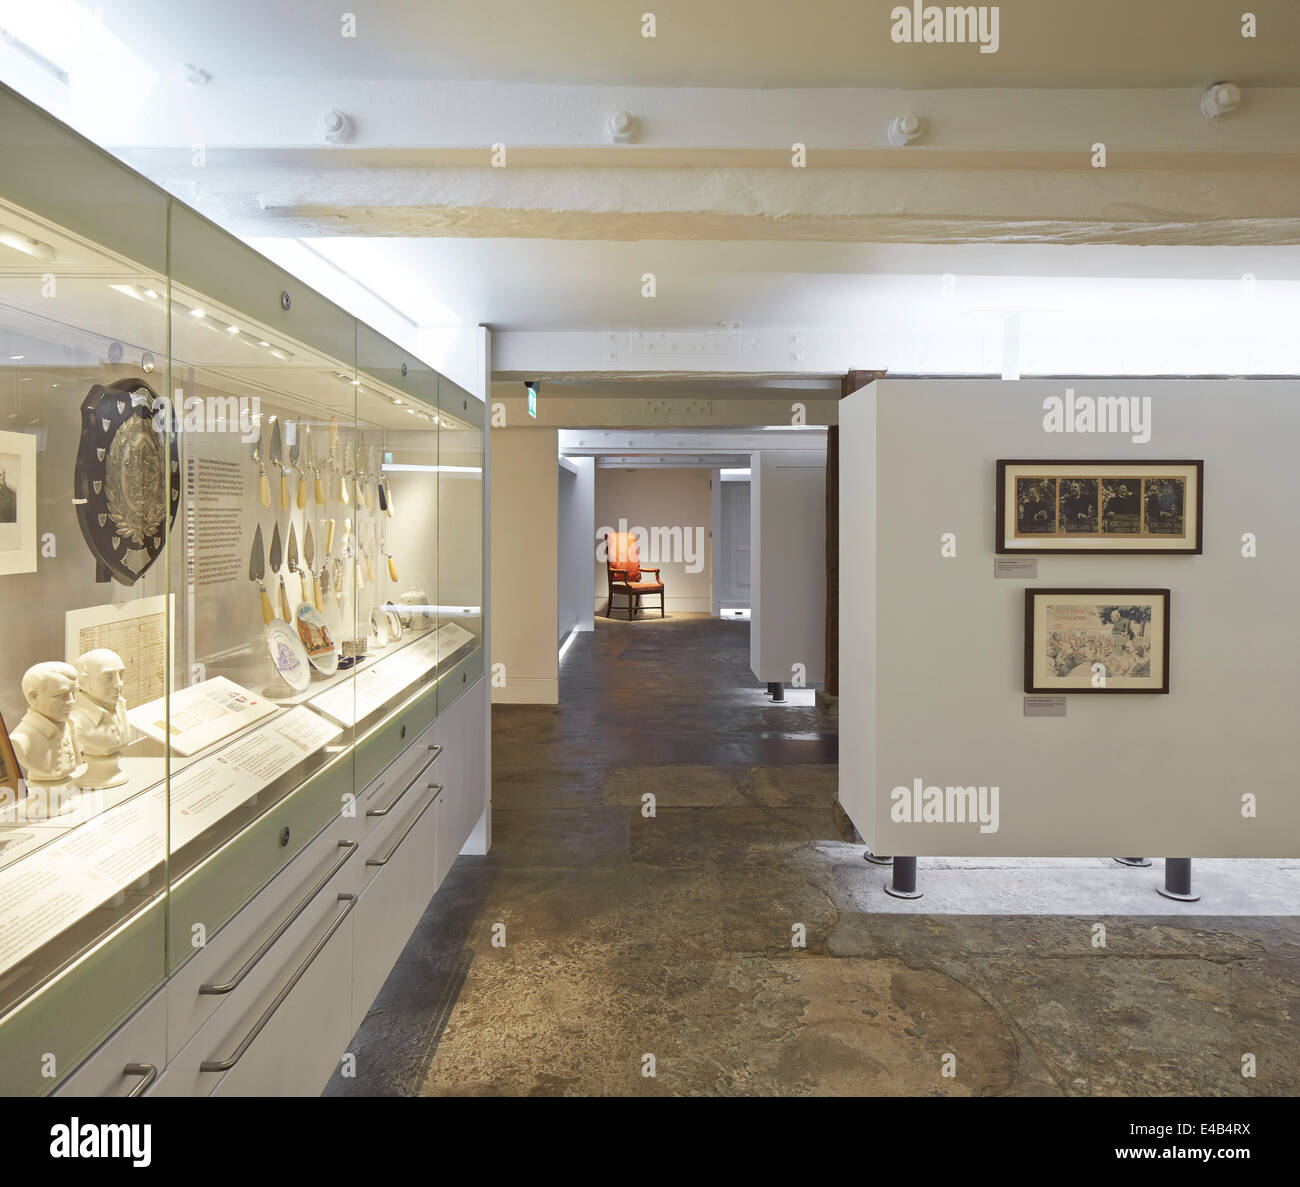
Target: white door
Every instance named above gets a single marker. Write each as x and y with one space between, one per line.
733 555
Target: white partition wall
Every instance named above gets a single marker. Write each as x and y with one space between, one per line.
577 543
787 513
525 566
931 646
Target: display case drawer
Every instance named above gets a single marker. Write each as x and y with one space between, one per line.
387 795
402 869
282 1035
130 1061
253 949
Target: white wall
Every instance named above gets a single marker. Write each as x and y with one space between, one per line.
524 565
931 674
788 565
577 529
656 499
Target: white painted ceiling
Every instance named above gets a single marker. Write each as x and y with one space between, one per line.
719 43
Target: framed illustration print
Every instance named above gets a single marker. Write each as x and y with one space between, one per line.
17 503
1109 507
1096 640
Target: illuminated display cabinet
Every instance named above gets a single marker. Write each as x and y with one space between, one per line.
241 577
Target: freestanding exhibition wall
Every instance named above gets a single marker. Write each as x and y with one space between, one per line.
932 645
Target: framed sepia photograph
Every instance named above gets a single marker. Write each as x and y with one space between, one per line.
1099 507
17 503
11 785
1096 640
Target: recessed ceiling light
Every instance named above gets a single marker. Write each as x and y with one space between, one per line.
197 313
263 343
232 329
151 294
16 357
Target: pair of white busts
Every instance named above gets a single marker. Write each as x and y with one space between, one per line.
75 727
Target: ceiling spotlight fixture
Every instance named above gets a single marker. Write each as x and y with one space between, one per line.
1220 99
26 244
903 129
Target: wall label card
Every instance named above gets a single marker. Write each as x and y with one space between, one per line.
1024 568
1045 706
200 715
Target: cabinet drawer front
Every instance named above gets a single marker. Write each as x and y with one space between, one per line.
388 793
283 1034
140 1045
395 897
245 955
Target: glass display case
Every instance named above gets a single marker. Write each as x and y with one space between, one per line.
240 541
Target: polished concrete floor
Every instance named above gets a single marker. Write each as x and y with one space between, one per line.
624 938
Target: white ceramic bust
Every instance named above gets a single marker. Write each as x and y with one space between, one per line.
99 715
45 741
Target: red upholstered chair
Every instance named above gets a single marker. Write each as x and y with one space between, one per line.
625 574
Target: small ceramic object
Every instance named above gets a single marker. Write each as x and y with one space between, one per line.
379 627
394 621
288 654
45 741
99 715
417 603
314 632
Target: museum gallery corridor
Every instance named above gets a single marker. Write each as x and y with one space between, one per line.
626 936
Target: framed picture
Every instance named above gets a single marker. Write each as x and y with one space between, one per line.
11 786
17 503
1096 640
1110 507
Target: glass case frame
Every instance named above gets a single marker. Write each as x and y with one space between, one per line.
158 321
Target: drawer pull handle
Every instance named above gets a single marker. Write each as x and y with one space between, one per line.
147 1073
224 1065
383 861
388 807
219 987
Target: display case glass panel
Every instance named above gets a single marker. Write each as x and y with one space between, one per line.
88 494
396 522
265 424
460 536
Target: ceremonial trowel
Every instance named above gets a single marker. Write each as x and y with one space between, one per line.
293 564
277 460
257 572
309 555
276 557
318 486
263 486
295 460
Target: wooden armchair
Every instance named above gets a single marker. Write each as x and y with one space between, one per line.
624 574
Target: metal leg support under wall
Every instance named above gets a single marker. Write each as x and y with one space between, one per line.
776 690
904 883
1178 880
876 860
1137 862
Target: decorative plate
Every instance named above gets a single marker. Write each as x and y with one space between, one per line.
379 627
314 632
393 619
127 483
288 654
